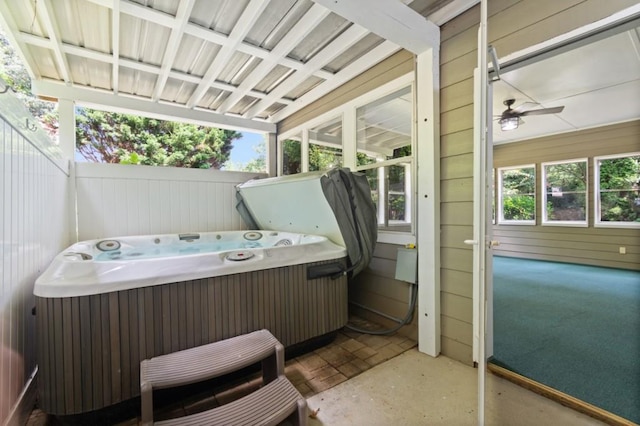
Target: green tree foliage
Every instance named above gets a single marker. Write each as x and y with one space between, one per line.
620 189
15 74
518 189
320 157
123 138
291 157
565 191
324 157
519 207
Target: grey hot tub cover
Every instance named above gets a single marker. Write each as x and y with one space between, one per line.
349 196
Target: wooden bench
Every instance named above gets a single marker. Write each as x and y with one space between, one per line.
277 398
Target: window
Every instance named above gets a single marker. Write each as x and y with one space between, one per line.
325 145
390 191
565 200
384 152
372 134
517 194
384 126
292 156
617 190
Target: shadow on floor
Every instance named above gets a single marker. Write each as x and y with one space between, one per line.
311 369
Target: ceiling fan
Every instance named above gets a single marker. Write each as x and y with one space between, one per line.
510 118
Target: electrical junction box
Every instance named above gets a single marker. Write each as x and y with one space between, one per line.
407 265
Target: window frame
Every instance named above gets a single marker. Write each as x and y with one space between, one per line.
349 148
597 222
500 216
543 188
408 161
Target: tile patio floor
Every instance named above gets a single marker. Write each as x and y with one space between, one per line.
348 355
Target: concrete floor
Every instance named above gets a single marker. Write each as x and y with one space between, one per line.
415 389
361 379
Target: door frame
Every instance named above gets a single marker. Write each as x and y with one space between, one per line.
483 164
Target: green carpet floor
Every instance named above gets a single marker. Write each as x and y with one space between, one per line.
574 328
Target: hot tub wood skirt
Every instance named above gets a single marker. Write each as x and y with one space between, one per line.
90 347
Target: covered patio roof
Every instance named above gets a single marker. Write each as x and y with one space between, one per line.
242 64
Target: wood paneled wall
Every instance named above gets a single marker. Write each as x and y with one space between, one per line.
118 200
512 27
377 288
586 245
33 229
393 67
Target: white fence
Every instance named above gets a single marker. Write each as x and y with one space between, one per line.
33 229
117 200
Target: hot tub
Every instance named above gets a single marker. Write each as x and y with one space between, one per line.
103 306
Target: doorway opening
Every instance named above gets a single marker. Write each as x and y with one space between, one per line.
555 225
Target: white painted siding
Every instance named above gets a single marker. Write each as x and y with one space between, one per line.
33 218
117 200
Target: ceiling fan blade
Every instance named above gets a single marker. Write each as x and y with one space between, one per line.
554 110
525 106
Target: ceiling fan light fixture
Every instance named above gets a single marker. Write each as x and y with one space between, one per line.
509 123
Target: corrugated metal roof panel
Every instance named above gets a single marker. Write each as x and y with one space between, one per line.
363 46
177 91
273 79
143 40
203 55
47 66
274 108
213 98
304 87
237 68
274 50
89 72
167 6
220 15
427 7
135 82
25 17
243 105
195 55
330 28
276 21
88 24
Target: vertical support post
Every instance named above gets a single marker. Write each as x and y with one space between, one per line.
304 151
272 154
349 132
67 140
428 190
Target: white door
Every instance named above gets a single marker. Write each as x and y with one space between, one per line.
482 241
482 214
